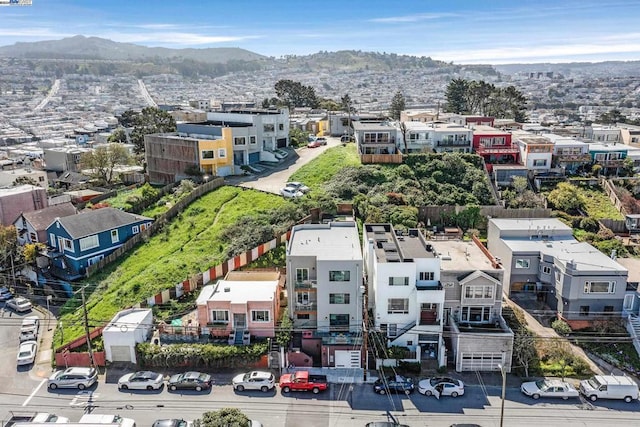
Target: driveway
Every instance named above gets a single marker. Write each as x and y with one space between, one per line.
274 179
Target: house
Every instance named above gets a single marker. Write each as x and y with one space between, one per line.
450 137
603 134
415 134
472 279
569 154
495 146
126 329
80 240
8 177
632 223
609 156
31 227
405 294
324 285
536 151
243 304
64 159
17 200
466 120
575 279
377 137
503 175
270 126
419 115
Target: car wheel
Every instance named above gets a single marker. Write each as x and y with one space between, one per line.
81 387
382 391
149 387
407 392
428 393
628 399
286 389
173 388
565 397
454 394
240 388
593 397
536 396
264 389
315 390
124 387
198 388
53 386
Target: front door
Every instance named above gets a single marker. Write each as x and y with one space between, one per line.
239 320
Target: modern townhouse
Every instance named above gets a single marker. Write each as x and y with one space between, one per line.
477 337
415 137
404 291
603 134
471 120
495 146
376 137
575 279
325 291
609 156
450 138
536 151
569 154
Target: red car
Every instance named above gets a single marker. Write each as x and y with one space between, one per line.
317 143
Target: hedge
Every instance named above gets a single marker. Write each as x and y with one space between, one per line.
199 355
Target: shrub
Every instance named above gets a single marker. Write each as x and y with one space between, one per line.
561 327
410 367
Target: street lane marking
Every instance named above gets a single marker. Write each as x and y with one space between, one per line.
33 393
84 398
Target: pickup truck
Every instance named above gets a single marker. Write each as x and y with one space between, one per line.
303 381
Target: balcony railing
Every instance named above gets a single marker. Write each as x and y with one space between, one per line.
499 149
573 157
449 143
429 317
311 306
306 284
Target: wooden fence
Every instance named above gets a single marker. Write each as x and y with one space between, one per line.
441 215
610 189
380 158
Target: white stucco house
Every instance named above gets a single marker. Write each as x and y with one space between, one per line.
126 329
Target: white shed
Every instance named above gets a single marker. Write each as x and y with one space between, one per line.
126 329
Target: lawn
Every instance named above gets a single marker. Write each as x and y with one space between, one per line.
189 244
598 205
326 165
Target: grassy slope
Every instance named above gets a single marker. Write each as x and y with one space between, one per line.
322 168
188 245
598 205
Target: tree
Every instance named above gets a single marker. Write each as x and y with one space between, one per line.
150 120
22 180
103 160
295 94
524 349
456 95
118 135
8 245
298 137
566 197
347 106
225 417
398 104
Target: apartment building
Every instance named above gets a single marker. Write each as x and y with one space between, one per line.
536 151
495 146
541 255
269 127
450 138
63 159
376 137
569 154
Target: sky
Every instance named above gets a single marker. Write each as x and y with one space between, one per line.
459 31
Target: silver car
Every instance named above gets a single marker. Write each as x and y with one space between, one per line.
76 377
254 380
141 380
19 304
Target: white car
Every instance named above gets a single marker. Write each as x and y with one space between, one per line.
291 193
28 336
254 380
549 388
19 304
30 324
27 352
298 186
75 377
141 380
441 386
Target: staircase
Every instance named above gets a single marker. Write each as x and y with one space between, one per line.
633 327
238 337
402 331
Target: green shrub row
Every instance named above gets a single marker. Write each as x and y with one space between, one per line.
198 355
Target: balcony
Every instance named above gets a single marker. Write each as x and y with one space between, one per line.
452 143
612 163
429 317
306 284
586 157
497 150
311 306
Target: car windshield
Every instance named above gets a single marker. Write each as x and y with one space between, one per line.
593 383
542 385
203 377
25 353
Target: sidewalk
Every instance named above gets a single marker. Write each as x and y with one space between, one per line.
48 323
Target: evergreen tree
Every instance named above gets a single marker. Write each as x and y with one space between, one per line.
456 95
398 104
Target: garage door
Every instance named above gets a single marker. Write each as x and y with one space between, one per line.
254 157
347 359
120 353
479 361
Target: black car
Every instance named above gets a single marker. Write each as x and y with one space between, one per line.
190 380
394 384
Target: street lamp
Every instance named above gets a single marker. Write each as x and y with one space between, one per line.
504 386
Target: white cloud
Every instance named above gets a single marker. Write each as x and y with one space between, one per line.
42 33
412 18
174 38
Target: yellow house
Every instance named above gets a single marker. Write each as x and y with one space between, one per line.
323 127
216 155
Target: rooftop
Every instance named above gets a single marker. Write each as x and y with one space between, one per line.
333 241
456 255
238 292
488 130
390 247
530 139
130 318
377 126
505 224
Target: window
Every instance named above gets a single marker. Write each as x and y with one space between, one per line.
600 287
268 128
608 310
240 140
41 179
475 314
135 229
252 139
259 315
540 162
627 305
398 306
338 320
479 291
545 269
219 316
207 154
584 310
33 237
339 276
280 126
114 236
427 275
398 281
87 243
522 263
301 316
303 297
222 153
302 274
339 298
68 245
144 227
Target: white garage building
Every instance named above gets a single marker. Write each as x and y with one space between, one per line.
126 329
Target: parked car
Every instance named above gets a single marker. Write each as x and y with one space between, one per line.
549 388
298 186
27 352
197 381
346 138
19 304
5 294
254 380
441 386
317 143
303 381
28 336
174 422
141 380
75 377
30 324
394 384
291 193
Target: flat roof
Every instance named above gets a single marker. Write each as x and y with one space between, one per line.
373 126
461 255
131 318
390 247
633 265
239 292
488 130
506 224
337 240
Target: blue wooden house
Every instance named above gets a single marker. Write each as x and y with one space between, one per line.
80 240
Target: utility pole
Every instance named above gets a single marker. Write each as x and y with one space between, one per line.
86 327
365 334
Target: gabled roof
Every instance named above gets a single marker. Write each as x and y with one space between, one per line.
96 221
477 274
42 218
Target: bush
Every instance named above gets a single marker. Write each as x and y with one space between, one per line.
561 327
410 367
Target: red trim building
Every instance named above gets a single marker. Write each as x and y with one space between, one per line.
495 146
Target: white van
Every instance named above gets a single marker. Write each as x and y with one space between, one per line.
609 387
115 420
